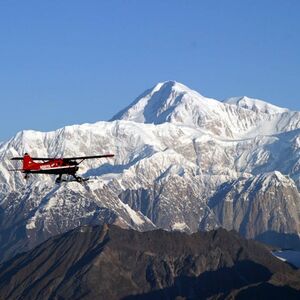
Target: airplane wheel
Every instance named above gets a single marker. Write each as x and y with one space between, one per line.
58 179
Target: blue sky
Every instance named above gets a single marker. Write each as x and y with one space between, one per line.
71 62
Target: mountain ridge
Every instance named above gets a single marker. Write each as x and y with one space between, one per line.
255 105
154 264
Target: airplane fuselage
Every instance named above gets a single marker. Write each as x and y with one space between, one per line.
53 166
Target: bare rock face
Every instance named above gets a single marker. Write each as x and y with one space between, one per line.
260 206
112 263
182 162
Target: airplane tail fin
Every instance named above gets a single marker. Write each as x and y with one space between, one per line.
27 161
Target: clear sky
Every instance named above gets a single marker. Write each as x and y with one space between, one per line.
65 62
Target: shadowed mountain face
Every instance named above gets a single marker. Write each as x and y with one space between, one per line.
107 262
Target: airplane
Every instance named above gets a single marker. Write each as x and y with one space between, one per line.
56 166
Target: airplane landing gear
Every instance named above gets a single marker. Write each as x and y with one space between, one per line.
58 179
78 178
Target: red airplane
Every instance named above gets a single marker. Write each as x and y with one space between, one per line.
56 166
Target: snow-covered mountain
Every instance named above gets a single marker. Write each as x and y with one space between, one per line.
235 118
256 105
182 162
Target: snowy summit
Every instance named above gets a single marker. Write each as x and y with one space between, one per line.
237 117
255 105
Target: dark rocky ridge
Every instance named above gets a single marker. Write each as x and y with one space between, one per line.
107 262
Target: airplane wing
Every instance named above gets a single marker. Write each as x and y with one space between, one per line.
33 158
67 158
87 157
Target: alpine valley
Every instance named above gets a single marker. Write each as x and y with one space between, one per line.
182 162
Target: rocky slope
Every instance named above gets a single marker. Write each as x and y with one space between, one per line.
182 162
112 263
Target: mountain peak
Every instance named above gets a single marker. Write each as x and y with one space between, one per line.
255 105
172 84
168 101
173 102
